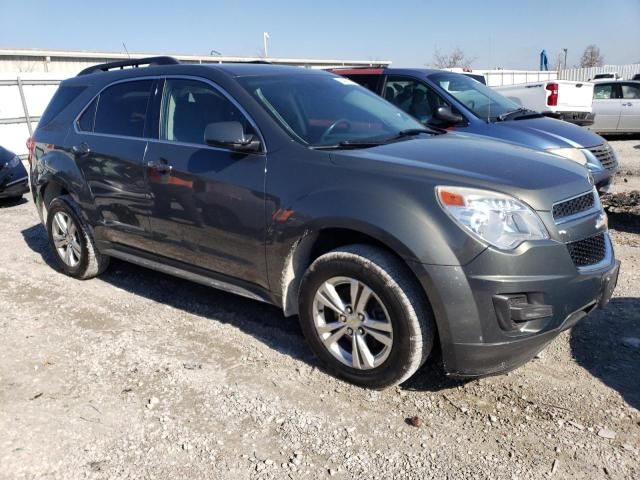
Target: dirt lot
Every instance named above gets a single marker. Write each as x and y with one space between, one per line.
140 375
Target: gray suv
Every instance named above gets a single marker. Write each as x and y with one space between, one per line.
302 189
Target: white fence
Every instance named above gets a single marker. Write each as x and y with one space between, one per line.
499 78
23 98
584 74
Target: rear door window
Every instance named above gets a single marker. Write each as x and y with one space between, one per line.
122 109
368 81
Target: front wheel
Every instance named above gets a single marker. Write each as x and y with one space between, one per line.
365 317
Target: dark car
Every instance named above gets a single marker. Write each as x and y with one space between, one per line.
455 101
14 181
302 189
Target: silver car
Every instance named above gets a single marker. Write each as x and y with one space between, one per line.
617 107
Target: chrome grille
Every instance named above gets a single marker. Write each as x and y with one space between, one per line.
573 206
589 251
605 154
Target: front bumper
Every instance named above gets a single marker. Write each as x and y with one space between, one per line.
583 119
604 179
474 338
14 188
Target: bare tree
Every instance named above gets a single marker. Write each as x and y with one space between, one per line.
455 59
591 57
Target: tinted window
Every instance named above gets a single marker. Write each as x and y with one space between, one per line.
413 96
188 106
85 123
630 91
322 109
367 81
122 109
63 97
603 91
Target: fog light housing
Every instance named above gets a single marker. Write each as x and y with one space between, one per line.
514 310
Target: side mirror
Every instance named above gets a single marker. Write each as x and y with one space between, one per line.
443 116
230 135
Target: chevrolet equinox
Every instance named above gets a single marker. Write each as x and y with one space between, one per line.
303 189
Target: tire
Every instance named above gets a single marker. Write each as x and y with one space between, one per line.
78 258
395 323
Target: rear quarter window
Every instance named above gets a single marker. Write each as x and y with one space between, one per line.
61 99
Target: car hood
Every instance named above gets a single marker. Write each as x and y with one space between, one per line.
538 178
543 133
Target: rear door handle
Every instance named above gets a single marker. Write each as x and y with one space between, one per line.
162 167
82 149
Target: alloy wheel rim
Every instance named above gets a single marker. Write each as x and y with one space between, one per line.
352 322
66 239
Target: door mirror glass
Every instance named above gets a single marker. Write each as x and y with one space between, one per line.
230 135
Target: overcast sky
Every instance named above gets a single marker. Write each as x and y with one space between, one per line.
507 34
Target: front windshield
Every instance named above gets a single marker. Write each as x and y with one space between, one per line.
484 102
323 110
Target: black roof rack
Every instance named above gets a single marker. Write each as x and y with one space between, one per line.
135 63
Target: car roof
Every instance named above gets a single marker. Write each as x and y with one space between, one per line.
235 70
414 72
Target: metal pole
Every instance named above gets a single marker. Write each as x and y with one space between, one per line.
24 107
565 58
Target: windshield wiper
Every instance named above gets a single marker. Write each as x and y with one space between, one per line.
519 114
373 142
417 131
350 144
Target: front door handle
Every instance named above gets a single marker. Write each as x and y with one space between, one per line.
162 167
81 150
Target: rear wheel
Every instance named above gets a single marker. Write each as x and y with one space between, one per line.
71 241
364 316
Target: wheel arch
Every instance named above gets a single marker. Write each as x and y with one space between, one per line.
316 242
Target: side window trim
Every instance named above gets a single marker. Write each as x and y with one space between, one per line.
97 96
617 91
160 80
152 126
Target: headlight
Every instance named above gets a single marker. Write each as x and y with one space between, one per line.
574 154
493 217
13 163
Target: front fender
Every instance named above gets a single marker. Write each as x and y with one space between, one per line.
414 229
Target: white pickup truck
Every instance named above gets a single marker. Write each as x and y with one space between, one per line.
563 99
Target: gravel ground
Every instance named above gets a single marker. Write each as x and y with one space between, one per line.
141 375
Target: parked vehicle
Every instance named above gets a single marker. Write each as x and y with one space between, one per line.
14 181
636 77
561 99
453 101
617 107
606 76
302 189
